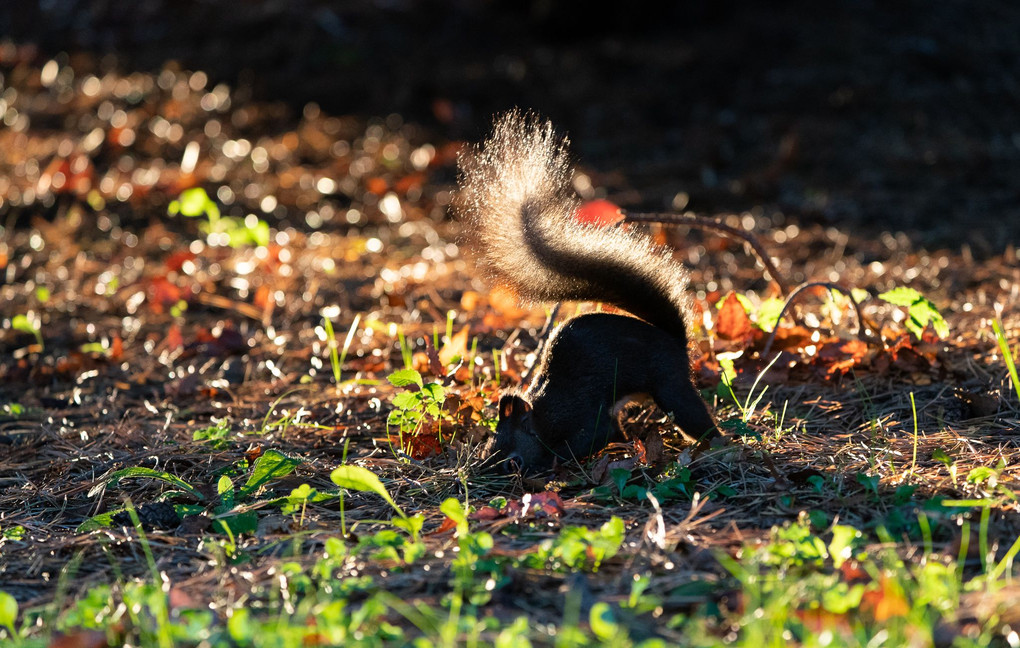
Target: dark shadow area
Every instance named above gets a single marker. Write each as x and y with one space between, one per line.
867 115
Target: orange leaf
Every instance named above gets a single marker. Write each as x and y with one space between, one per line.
446 526
732 323
262 296
376 185
504 302
887 602
174 339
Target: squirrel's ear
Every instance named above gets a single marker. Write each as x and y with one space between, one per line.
513 405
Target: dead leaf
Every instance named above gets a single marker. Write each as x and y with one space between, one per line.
81 639
732 322
455 347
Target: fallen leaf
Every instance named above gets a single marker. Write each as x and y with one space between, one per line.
732 322
599 213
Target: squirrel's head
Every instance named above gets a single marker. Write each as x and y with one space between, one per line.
518 449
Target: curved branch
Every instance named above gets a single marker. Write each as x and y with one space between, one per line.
861 331
714 224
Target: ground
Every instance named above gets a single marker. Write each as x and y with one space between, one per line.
208 276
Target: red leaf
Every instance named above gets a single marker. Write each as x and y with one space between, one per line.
161 293
80 639
175 261
549 503
600 213
486 513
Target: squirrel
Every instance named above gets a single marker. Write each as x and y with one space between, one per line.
518 209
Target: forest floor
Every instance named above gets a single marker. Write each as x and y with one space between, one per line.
203 294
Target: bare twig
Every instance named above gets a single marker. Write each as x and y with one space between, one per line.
861 332
714 224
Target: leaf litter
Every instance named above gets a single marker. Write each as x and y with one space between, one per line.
141 329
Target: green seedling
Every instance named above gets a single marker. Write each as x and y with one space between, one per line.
271 465
411 407
8 612
24 324
579 547
14 410
362 479
220 230
337 357
217 436
405 350
920 311
193 203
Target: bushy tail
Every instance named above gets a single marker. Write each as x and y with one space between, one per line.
519 212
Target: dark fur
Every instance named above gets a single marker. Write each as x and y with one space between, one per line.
519 210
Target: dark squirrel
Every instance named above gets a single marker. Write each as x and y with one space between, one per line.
519 210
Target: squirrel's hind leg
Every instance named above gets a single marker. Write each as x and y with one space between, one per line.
681 399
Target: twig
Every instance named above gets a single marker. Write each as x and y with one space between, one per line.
714 224
861 331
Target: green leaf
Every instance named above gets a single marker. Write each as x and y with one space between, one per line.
981 474
407 400
96 522
225 489
192 202
869 482
938 454
405 377
768 313
603 625
22 323
841 547
273 464
453 509
236 524
920 311
260 233
139 471
412 525
435 391
901 296
8 611
42 293
362 479
619 477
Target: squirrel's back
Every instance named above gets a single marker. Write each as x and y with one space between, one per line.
519 211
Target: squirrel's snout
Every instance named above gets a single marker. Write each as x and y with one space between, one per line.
513 464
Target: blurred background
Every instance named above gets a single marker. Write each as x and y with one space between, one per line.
871 116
